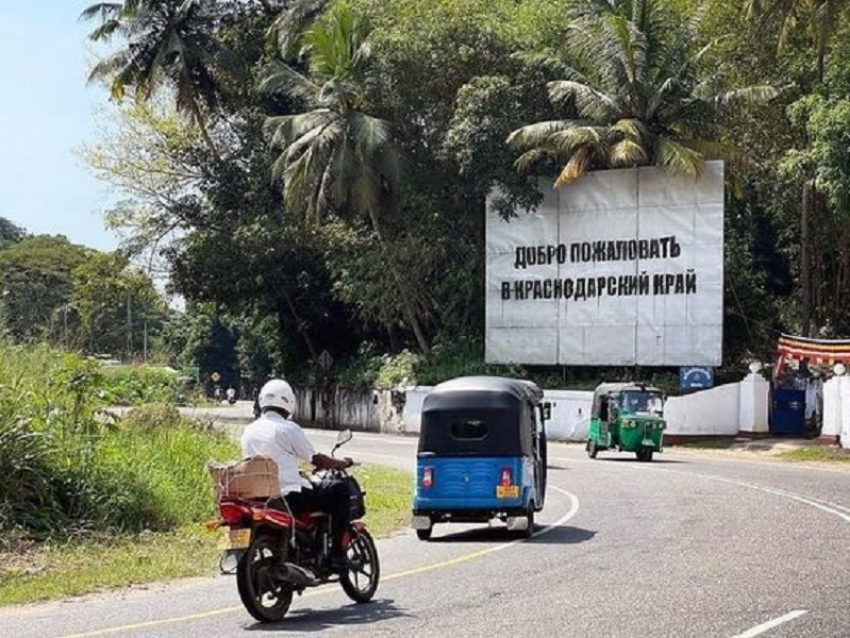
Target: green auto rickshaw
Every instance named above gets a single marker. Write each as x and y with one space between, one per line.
628 417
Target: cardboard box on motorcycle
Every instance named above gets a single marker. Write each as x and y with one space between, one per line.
254 477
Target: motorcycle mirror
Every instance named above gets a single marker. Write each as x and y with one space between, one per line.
342 438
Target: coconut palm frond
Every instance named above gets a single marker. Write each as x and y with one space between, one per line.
102 10
631 129
567 141
373 140
717 150
283 130
539 132
550 61
278 77
578 165
290 24
529 159
590 103
752 94
677 158
627 153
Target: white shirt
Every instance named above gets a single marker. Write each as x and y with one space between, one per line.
284 441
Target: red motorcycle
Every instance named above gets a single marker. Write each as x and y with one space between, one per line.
280 554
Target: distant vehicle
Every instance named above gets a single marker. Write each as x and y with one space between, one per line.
231 396
628 417
482 454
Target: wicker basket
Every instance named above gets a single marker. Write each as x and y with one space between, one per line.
254 477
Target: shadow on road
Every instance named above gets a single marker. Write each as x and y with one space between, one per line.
561 535
308 620
628 457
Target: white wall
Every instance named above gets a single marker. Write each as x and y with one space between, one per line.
722 411
715 411
570 414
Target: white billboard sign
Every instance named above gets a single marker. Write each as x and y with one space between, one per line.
623 267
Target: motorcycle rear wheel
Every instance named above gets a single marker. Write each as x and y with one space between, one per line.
263 597
360 581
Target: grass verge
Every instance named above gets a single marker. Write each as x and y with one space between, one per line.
817 453
30 573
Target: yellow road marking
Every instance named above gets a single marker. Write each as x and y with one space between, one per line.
326 589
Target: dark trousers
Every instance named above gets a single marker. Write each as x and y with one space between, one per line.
332 499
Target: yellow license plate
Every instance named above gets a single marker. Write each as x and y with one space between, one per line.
233 538
507 491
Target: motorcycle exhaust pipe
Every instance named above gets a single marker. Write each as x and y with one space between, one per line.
297 575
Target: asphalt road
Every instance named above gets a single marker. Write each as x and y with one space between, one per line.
691 545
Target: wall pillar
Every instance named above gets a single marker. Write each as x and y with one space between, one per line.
753 399
831 427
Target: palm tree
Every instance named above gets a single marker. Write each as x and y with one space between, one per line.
823 17
166 43
336 156
638 93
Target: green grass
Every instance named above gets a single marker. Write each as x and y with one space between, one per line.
708 444
819 453
34 572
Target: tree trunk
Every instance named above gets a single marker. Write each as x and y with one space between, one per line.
299 326
408 309
805 266
202 127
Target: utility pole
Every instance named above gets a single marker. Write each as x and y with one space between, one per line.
129 329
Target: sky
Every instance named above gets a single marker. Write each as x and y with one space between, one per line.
46 112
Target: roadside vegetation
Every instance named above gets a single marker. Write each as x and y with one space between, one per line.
94 562
90 501
819 453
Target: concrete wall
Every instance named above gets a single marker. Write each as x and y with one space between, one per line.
570 414
338 408
836 411
722 411
712 412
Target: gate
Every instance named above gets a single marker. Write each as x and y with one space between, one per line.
788 412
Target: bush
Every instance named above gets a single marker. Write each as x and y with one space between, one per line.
138 385
67 469
152 416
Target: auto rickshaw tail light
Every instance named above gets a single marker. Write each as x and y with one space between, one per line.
428 477
506 477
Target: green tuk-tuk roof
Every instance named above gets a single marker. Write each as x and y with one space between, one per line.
607 389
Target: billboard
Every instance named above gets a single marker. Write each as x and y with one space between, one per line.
623 267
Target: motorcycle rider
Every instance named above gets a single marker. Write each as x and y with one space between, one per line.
275 434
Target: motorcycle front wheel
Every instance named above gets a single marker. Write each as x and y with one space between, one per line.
266 598
360 582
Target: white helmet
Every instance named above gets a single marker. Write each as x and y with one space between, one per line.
277 393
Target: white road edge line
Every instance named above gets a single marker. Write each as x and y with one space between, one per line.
572 512
758 630
824 506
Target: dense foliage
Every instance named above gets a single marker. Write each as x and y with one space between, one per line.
68 467
312 173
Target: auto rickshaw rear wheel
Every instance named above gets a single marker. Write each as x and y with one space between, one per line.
529 514
644 454
591 448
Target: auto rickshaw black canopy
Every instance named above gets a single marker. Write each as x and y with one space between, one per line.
613 389
504 406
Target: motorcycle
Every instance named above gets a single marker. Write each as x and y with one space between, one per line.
280 554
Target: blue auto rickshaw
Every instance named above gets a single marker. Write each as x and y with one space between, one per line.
481 455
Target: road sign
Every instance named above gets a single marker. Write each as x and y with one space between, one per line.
696 377
325 361
216 377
